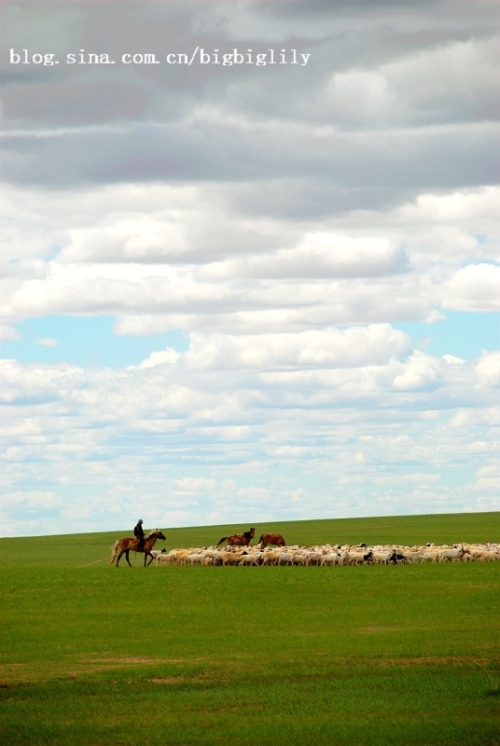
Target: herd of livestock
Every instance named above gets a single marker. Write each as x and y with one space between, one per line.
271 549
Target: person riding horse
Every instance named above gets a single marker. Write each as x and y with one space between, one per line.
139 535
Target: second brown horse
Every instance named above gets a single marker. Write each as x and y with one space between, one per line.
239 540
275 539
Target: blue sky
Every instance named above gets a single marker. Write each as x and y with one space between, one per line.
241 294
84 341
91 341
465 335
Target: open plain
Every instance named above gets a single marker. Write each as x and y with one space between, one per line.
352 654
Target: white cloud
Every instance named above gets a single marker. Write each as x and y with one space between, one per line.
330 348
342 272
31 501
162 357
421 373
285 219
9 333
474 288
461 90
488 369
143 238
319 255
46 342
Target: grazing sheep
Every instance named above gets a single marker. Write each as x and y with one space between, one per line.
450 555
195 558
212 558
396 557
156 552
411 556
429 556
330 559
328 555
358 558
285 558
270 558
163 559
230 558
313 558
487 556
167 559
381 558
255 558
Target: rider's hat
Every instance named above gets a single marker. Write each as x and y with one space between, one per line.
140 520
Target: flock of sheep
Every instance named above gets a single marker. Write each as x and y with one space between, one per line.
328 555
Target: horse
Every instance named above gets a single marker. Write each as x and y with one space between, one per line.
275 539
239 540
124 546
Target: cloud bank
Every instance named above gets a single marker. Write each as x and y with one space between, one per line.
293 223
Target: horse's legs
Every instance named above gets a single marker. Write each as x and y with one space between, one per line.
118 558
126 557
151 558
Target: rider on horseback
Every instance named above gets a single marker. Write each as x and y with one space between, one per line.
139 534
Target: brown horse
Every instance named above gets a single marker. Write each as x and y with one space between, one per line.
238 540
124 546
275 539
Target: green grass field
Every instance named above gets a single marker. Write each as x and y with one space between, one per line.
407 655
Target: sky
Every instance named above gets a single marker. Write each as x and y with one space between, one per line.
250 262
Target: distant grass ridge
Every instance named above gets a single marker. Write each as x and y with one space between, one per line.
79 549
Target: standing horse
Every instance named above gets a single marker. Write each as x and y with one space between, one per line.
239 540
124 546
275 539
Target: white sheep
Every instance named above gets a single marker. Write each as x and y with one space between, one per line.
270 558
230 558
285 558
327 555
313 558
381 557
357 558
450 555
331 559
254 558
486 556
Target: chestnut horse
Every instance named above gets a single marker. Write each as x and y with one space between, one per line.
124 546
275 539
238 540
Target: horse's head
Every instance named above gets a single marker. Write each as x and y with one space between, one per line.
158 534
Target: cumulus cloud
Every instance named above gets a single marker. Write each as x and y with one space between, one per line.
421 373
330 348
474 288
407 90
488 369
293 222
31 501
320 255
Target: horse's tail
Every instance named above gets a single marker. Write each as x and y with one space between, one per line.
261 540
115 552
224 538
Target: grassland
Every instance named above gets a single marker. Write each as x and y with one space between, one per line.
96 655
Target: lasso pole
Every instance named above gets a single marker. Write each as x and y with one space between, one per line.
94 563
